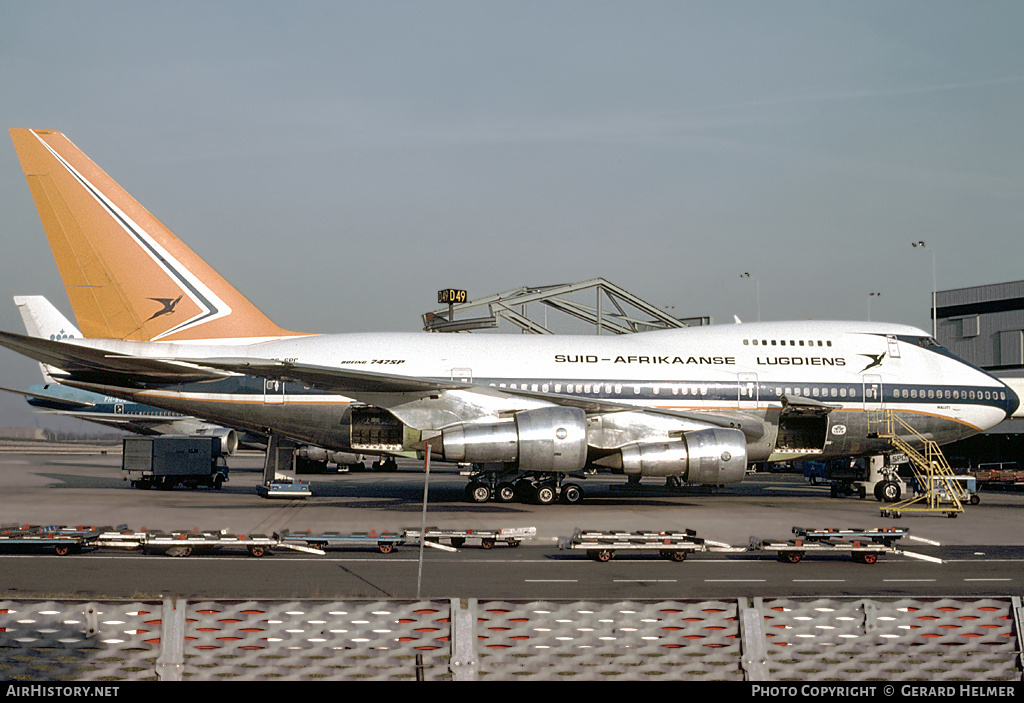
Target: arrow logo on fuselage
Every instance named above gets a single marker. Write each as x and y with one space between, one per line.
876 360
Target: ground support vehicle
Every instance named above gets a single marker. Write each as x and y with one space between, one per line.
863 545
845 477
601 545
1004 475
512 536
385 542
285 489
183 543
172 460
61 540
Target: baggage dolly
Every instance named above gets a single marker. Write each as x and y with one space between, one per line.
863 545
182 543
601 545
62 540
512 536
385 542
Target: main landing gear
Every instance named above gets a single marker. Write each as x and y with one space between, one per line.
533 487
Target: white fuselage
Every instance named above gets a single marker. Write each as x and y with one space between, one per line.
753 370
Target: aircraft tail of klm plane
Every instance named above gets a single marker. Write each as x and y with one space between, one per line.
127 275
43 320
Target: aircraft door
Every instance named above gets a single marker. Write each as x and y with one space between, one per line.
273 392
894 347
872 391
462 374
746 391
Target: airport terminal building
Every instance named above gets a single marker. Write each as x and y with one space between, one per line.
985 326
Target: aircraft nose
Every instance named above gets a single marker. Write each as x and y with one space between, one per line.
1012 402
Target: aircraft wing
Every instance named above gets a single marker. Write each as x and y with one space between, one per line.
96 365
751 426
54 402
353 382
329 378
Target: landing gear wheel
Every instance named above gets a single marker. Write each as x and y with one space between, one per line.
545 495
572 494
891 491
505 493
478 492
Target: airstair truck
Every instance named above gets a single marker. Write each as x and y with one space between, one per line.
171 460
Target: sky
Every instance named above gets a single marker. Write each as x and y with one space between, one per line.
339 162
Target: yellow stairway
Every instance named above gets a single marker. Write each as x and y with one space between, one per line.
941 492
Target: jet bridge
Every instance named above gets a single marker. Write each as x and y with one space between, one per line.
611 310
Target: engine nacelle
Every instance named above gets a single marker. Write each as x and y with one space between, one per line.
710 456
545 439
319 454
228 439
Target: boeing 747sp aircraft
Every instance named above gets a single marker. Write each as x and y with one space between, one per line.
530 411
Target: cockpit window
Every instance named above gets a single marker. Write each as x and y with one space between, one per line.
924 342
930 344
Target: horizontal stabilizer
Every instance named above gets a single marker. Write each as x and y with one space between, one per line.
52 401
99 366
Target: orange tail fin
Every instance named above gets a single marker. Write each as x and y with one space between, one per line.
127 275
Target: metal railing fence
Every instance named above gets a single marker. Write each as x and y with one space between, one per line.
759 639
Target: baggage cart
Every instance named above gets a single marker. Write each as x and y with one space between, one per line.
601 545
512 536
863 545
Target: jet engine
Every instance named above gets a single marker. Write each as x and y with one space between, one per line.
710 456
228 439
320 454
544 439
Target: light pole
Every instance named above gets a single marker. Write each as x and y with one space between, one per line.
870 296
757 283
934 325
